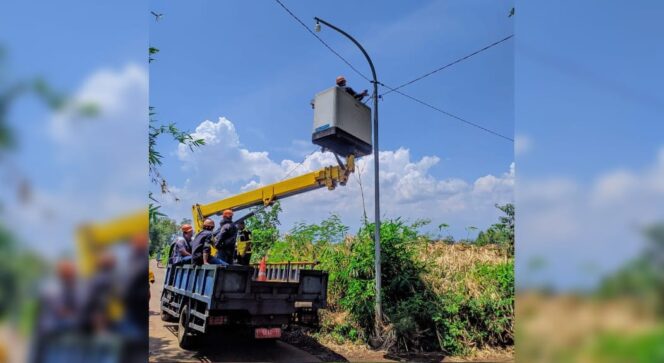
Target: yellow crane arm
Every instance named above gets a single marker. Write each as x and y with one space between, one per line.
95 236
329 177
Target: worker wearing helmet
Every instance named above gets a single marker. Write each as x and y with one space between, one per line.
181 247
341 82
243 244
57 310
226 237
200 248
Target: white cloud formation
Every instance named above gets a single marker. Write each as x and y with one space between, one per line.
101 160
408 188
574 224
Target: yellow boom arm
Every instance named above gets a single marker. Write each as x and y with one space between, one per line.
95 236
327 177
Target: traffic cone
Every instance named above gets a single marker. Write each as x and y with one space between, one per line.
262 268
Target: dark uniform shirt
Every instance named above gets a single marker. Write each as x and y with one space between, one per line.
350 91
226 235
201 245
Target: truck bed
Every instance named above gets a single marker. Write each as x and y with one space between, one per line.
220 295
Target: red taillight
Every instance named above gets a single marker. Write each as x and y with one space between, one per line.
217 320
267 333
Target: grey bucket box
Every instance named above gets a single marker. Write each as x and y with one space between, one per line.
342 124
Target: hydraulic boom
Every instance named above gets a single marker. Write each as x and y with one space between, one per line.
329 177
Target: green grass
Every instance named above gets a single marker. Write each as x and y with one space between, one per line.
642 348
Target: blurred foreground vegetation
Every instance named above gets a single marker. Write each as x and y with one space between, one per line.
622 320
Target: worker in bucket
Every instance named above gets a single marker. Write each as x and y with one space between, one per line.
341 82
226 237
200 248
243 244
181 249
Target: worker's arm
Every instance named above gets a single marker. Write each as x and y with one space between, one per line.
181 248
206 252
184 252
360 96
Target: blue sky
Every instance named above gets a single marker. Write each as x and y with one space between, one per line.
253 64
64 50
90 52
258 67
586 98
589 103
582 83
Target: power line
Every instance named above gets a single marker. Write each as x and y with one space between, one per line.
447 113
299 164
405 84
449 64
322 41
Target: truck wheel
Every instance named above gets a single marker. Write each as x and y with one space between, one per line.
167 317
185 336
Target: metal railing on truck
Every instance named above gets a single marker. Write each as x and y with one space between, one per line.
283 271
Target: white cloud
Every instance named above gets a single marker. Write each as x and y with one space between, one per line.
408 188
625 187
572 223
101 160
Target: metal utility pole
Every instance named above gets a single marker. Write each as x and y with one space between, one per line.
378 309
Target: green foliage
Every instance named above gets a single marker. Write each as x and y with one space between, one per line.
7 273
501 233
155 130
11 90
643 277
264 227
152 51
483 320
417 318
162 232
309 242
18 283
644 348
443 228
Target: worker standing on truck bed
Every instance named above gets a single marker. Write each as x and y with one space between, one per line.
200 248
341 82
181 250
226 237
244 244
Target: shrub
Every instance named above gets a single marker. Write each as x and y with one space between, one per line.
431 301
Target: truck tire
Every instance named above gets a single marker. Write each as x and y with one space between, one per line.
185 336
167 317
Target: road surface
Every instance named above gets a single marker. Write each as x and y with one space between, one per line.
164 345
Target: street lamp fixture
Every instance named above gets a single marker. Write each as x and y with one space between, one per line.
378 308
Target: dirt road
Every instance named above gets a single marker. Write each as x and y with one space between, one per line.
164 346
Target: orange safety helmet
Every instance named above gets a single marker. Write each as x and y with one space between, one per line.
227 213
341 79
208 223
186 228
140 240
66 269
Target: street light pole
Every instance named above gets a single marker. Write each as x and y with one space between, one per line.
378 309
